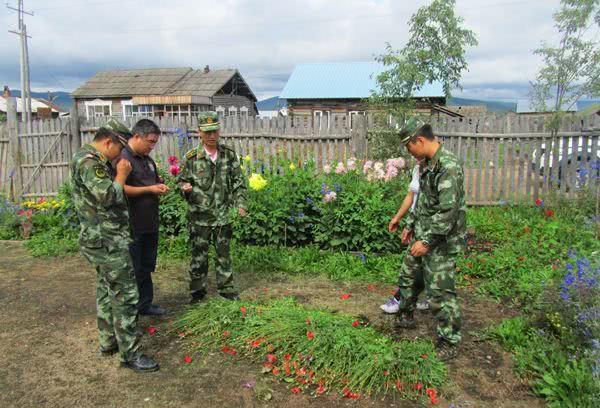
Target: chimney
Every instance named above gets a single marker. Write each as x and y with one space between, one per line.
206 69
6 92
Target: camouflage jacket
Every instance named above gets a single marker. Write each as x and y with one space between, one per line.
217 188
100 202
439 216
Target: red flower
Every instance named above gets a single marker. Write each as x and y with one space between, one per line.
229 350
386 372
310 335
174 169
355 323
243 310
296 390
255 344
371 287
538 202
275 371
226 333
187 359
320 389
399 385
182 335
432 393
152 330
287 357
302 371
173 160
549 213
423 355
418 386
349 394
345 296
271 358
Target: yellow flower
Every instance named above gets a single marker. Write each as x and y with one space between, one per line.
257 182
247 158
292 167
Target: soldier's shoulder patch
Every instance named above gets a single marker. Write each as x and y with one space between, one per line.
100 172
190 154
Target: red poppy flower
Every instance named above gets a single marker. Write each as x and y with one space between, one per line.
255 344
418 386
432 393
286 367
187 359
229 350
355 323
226 333
549 213
345 296
152 330
349 394
399 385
287 357
302 371
243 310
310 335
538 202
271 358
275 371
320 389
182 335
296 390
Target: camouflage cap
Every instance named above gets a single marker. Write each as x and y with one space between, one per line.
409 129
208 121
119 129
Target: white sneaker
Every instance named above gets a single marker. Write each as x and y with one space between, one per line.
391 306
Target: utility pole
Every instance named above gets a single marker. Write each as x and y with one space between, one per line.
26 114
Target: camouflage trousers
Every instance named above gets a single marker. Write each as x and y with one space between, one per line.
116 300
433 272
202 237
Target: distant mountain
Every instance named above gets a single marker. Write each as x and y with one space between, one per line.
492 106
274 103
62 99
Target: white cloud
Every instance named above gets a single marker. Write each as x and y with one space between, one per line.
262 38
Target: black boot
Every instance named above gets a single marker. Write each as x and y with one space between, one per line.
198 296
108 352
141 363
405 321
229 296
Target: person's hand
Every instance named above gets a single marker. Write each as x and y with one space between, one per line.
186 187
123 168
406 236
419 249
393 225
159 189
242 212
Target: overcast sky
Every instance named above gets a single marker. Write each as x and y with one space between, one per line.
263 39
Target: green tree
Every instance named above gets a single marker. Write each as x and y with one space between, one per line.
435 51
571 68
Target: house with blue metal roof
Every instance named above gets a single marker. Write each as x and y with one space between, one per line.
334 92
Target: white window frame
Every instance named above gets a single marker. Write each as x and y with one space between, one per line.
220 111
97 103
244 111
232 111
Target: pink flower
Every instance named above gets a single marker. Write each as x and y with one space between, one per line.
296 390
173 160
351 164
329 197
327 169
174 169
187 359
310 335
391 172
340 168
368 166
152 330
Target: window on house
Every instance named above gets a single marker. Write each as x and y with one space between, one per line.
244 111
177 110
220 111
322 119
137 110
98 108
352 117
233 111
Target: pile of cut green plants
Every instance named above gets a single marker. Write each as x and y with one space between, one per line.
314 350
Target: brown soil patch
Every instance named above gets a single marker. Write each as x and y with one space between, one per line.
48 344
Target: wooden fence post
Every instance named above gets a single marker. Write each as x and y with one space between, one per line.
75 131
15 148
359 137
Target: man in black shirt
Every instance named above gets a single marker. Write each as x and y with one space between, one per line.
143 187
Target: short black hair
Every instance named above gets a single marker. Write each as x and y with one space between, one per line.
104 133
145 127
424 131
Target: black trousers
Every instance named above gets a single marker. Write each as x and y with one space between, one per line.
143 254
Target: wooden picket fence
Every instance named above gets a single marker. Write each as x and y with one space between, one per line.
506 158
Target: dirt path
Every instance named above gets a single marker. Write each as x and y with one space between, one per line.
48 345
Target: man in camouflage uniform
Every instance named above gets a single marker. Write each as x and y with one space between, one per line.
436 232
105 236
215 188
